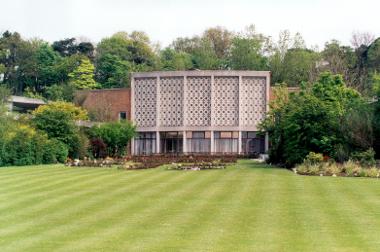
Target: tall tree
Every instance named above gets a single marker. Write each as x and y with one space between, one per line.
83 76
130 52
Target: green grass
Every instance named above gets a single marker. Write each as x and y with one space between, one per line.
246 207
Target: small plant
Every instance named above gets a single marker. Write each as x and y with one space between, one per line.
332 169
313 158
365 158
372 172
314 169
351 168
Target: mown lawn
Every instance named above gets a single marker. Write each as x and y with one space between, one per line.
246 207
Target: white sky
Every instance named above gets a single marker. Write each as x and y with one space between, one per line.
164 20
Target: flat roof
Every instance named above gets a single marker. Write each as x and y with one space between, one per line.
202 73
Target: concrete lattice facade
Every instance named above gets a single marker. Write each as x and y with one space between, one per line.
199 111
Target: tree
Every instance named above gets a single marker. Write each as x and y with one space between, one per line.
322 118
220 40
121 54
373 55
172 60
246 54
299 65
247 51
115 135
83 76
57 120
70 46
339 59
112 71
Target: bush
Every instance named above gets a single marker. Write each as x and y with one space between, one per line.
116 136
332 169
56 151
350 168
365 158
308 169
23 145
57 120
372 172
313 158
98 148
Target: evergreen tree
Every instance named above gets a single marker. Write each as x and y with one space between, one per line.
83 76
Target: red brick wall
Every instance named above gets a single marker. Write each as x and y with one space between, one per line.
106 104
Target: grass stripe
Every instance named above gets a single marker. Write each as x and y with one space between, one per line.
85 199
158 232
99 208
142 212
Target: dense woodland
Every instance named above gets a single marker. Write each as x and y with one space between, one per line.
33 67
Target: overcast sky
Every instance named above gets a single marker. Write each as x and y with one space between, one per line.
165 20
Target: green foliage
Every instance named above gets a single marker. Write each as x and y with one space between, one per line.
365 158
83 76
122 54
316 119
60 92
20 144
57 119
4 94
116 136
112 71
172 60
246 54
313 158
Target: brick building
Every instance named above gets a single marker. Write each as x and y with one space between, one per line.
106 104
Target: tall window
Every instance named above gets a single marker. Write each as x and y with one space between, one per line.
145 143
252 142
198 141
226 141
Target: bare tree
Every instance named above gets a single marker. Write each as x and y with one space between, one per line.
361 38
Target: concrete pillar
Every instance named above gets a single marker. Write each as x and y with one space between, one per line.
158 142
184 143
239 143
266 142
133 146
212 101
212 140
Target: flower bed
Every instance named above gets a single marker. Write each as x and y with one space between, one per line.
106 162
216 164
347 169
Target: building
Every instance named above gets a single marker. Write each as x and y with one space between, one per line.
199 111
23 104
106 104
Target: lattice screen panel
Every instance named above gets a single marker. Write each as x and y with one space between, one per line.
226 101
253 96
198 101
145 102
171 95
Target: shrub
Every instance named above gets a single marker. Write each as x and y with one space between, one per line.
372 172
23 145
308 169
116 136
56 152
332 169
98 148
57 120
351 168
365 158
313 158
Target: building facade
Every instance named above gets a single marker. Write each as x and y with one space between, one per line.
199 111
106 104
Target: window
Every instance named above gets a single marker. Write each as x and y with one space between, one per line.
122 115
